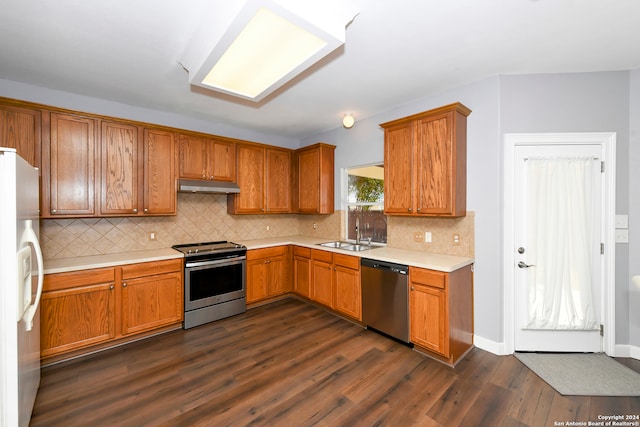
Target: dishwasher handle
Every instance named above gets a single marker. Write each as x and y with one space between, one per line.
383 265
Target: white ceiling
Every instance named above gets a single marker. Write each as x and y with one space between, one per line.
396 51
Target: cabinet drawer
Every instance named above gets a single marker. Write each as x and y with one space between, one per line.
347 261
54 282
423 276
266 252
151 268
320 255
302 252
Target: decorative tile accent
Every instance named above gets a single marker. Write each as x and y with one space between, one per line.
204 217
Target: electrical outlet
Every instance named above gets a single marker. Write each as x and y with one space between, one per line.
427 237
456 239
152 235
418 237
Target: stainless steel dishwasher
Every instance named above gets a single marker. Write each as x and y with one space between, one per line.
385 298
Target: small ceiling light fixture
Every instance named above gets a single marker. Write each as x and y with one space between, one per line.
267 44
348 121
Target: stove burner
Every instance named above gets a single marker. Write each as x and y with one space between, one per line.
211 248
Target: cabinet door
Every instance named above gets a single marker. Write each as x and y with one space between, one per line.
221 157
278 181
277 281
398 159
428 318
72 159
119 169
20 129
348 293
160 192
434 165
302 271
251 168
151 302
322 282
308 181
76 317
257 278
193 157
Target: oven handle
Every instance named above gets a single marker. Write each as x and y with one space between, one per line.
230 260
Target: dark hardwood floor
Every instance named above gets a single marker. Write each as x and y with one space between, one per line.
291 364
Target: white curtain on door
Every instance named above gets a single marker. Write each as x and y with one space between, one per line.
560 230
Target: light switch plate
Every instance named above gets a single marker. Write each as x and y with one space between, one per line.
622 221
622 236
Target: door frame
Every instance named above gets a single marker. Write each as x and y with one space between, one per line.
607 140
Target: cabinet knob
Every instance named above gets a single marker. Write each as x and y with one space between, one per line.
146 210
419 209
124 285
412 288
409 209
211 177
135 211
54 211
111 287
335 269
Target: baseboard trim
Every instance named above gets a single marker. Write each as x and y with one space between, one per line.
497 348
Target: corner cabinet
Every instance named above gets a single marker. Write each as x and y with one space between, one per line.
441 312
314 179
425 163
20 128
264 178
89 309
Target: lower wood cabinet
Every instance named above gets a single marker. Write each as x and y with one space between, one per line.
86 308
267 273
441 312
302 271
335 282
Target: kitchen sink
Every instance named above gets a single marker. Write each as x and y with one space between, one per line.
347 246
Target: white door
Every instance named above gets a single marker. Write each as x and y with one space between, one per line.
558 266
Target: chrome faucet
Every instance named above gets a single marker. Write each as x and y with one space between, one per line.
357 231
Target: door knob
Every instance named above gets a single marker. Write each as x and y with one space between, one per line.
522 264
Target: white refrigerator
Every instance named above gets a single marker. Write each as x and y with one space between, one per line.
20 289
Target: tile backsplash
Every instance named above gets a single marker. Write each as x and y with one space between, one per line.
203 217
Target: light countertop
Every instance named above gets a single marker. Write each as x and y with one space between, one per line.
62 265
433 261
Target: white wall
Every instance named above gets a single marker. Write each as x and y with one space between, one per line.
55 98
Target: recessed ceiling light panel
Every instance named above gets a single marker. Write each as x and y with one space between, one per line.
265 46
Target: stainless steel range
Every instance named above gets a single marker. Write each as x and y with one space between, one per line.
214 281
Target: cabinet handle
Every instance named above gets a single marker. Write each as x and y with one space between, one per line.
135 211
124 285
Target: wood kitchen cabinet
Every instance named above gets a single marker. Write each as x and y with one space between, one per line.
302 271
441 312
264 178
20 128
159 167
267 273
425 163
119 169
69 160
78 310
322 277
206 158
88 309
314 179
151 295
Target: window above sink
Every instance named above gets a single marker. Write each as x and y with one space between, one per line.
364 201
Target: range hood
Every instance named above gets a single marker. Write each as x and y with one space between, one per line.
204 186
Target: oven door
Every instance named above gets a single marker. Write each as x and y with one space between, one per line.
212 282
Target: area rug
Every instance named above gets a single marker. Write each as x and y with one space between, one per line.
584 374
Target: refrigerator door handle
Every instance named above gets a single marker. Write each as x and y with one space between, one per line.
30 237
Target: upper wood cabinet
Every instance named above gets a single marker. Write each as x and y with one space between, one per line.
264 178
206 158
314 179
104 168
425 163
69 160
119 169
20 128
159 166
